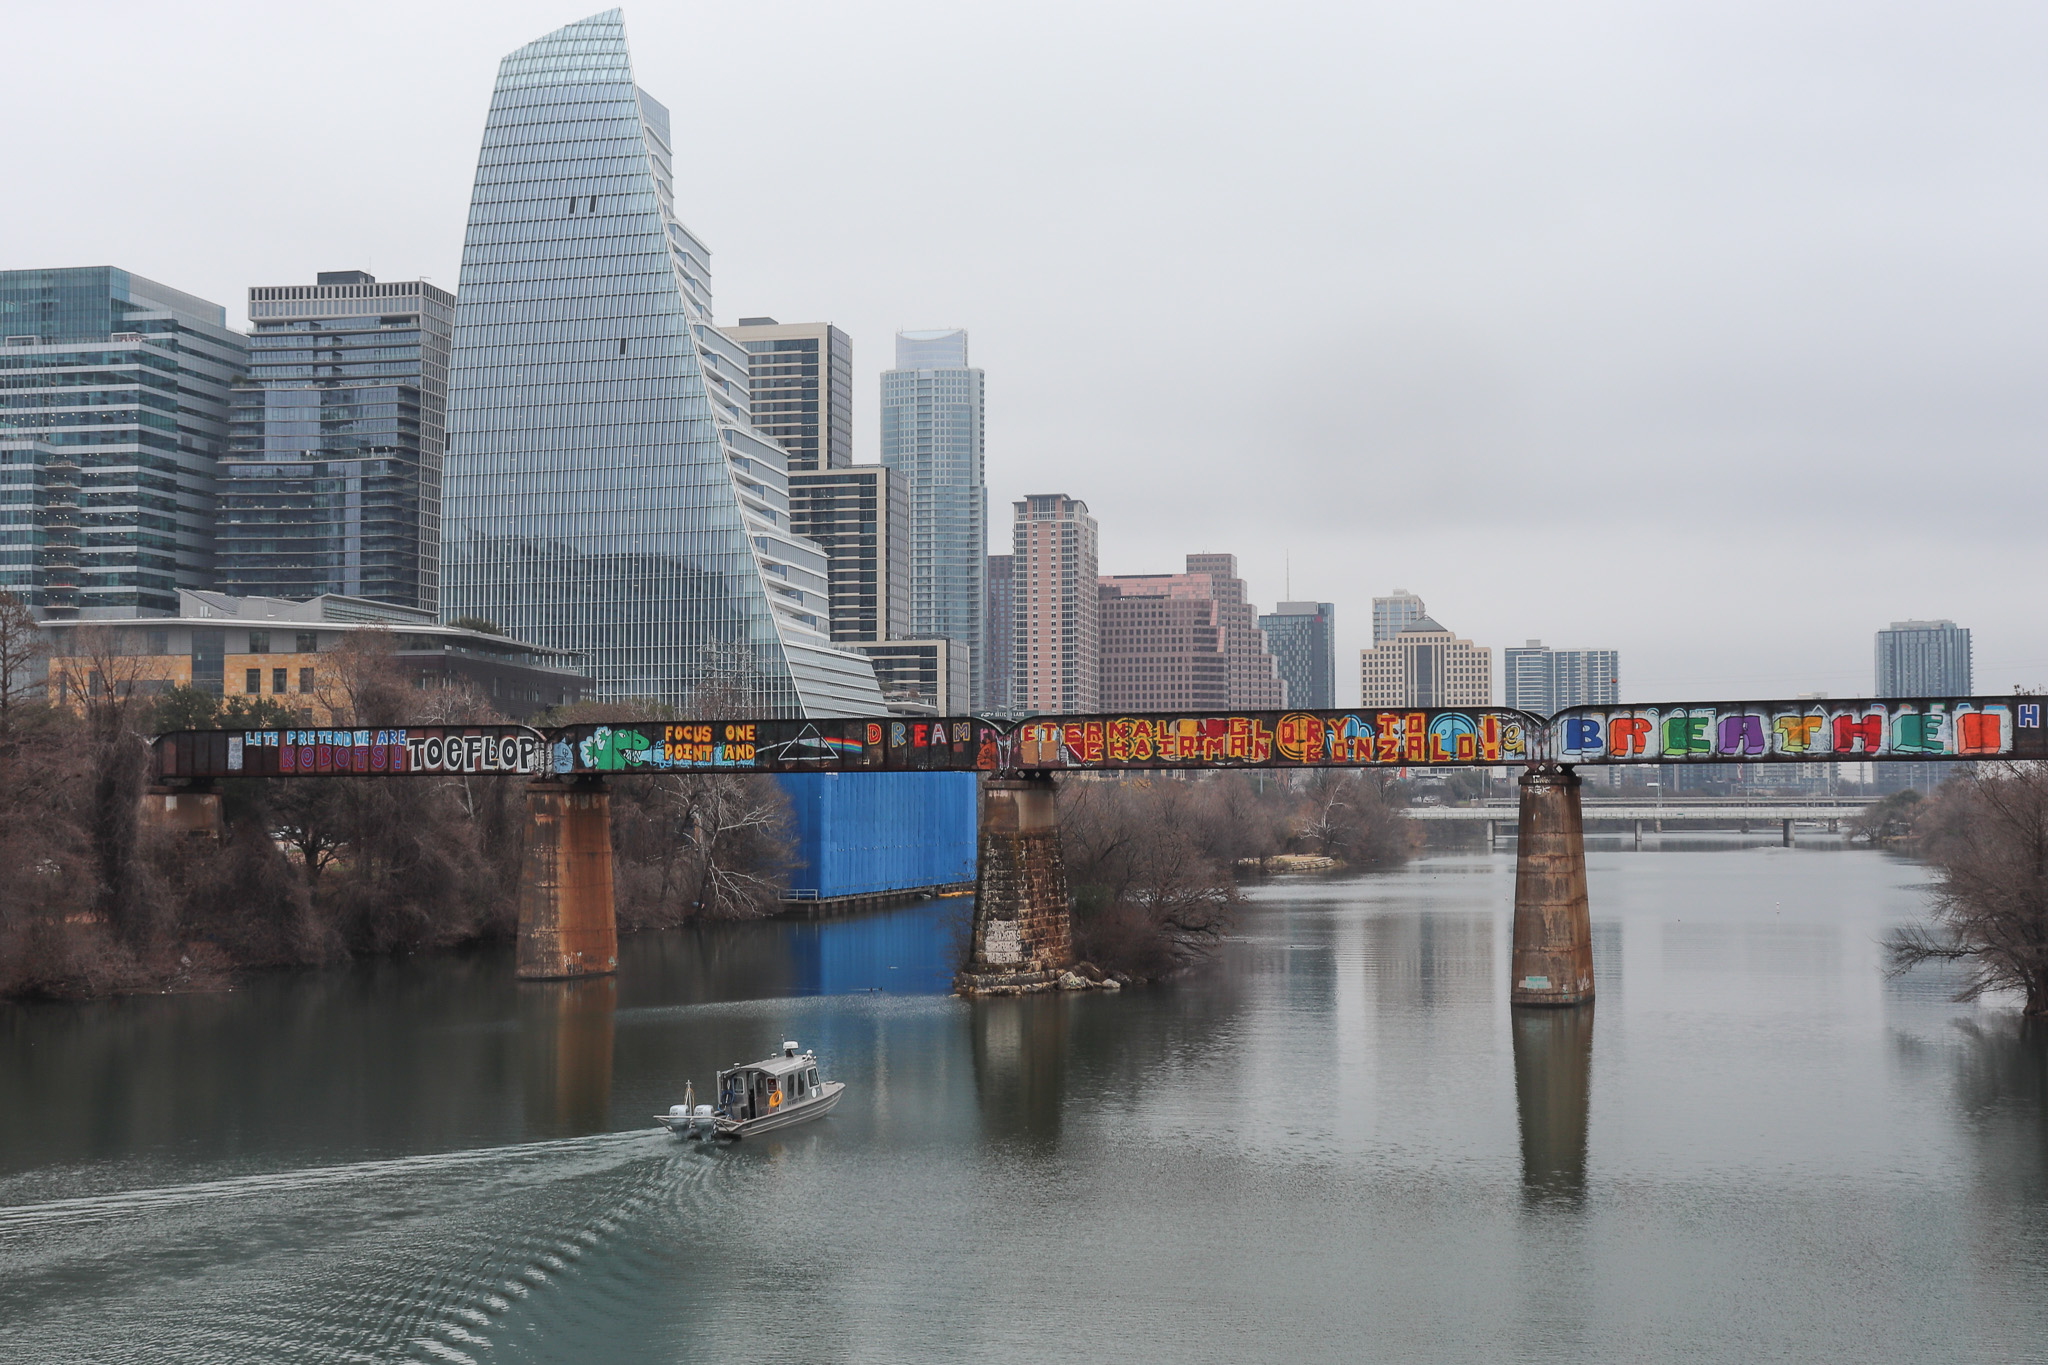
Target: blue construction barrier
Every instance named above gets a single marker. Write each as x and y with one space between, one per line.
860 834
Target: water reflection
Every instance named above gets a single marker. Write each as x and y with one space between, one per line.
1553 1093
1020 1065
565 1037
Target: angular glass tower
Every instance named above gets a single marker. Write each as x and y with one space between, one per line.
605 491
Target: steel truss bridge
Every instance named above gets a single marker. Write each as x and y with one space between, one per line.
1920 729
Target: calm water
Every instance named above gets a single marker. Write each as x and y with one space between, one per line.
1337 1144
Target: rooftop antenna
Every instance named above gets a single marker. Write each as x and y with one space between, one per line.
1287 559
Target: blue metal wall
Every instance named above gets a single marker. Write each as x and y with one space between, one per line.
860 833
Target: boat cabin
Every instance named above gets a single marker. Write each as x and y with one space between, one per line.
758 1089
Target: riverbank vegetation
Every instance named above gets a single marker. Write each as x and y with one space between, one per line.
1151 861
1987 840
95 900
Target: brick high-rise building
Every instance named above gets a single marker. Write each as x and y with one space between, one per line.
1255 683
1056 661
1253 678
1161 651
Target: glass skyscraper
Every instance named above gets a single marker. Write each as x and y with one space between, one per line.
333 479
605 490
932 432
113 417
1303 639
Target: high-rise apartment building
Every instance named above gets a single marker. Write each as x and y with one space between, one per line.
1537 678
1255 682
113 419
1394 613
800 384
1162 650
860 516
1923 659
1252 678
332 482
932 433
1301 636
606 491
1057 664
998 625
1425 665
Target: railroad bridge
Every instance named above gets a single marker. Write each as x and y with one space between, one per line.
1021 924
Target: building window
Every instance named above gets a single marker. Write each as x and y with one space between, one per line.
305 680
308 642
159 642
254 682
259 642
277 680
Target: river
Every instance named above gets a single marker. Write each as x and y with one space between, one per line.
1337 1142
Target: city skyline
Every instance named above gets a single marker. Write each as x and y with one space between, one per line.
1465 367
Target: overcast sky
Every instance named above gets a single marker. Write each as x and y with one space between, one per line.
1714 334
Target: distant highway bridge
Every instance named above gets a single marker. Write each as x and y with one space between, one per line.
1831 810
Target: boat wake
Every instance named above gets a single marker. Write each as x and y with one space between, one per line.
451 1256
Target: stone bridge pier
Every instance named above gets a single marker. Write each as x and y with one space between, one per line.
566 922
1552 963
1022 921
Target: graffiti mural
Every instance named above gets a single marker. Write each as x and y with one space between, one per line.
1801 731
767 746
1271 739
1804 731
429 751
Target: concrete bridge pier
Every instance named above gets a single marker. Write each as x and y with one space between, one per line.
1552 961
1788 834
566 922
1023 924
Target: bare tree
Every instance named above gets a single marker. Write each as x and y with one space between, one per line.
22 647
1988 841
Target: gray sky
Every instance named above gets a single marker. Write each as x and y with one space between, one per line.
1711 333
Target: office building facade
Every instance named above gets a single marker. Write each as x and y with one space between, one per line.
1253 682
1057 661
1301 637
1161 650
279 650
800 388
859 515
932 432
920 677
606 492
999 627
1394 613
1425 665
1537 678
332 482
1924 659
113 420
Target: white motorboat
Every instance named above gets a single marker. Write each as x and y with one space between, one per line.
755 1097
